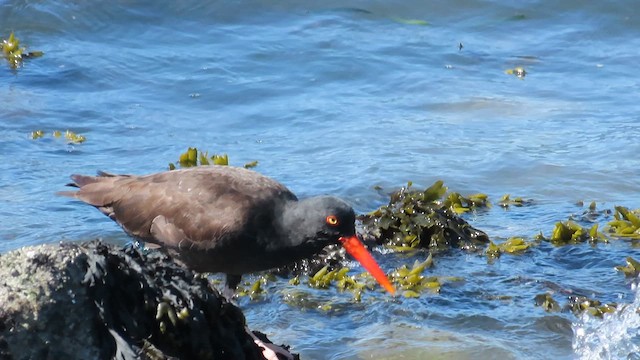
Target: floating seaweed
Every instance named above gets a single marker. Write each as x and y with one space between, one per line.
580 304
507 201
632 269
591 214
14 54
412 281
547 302
570 232
626 223
576 304
251 165
70 136
460 204
518 72
73 138
37 134
514 245
192 157
324 277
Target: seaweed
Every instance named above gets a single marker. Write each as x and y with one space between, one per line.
424 219
412 281
14 54
70 136
576 304
626 223
192 157
570 232
579 304
324 278
506 201
632 269
514 245
547 302
518 72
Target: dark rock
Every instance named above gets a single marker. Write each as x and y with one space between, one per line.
96 301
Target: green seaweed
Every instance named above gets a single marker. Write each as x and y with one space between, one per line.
507 201
547 302
255 290
632 269
576 304
460 204
14 54
412 282
570 232
626 223
70 136
192 157
423 219
251 164
324 278
580 304
518 72
514 245
591 213
73 138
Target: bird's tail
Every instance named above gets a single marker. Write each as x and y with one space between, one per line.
81 180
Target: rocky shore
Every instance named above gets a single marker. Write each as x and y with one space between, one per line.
98 301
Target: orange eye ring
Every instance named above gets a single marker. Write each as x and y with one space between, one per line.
332 220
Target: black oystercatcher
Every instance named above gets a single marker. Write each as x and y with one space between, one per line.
225 219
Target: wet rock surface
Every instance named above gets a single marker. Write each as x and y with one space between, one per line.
97 301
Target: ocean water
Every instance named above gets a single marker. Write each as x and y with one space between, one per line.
341 98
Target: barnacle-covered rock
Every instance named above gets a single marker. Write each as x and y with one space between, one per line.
95 301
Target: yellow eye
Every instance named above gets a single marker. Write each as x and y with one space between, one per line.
332 220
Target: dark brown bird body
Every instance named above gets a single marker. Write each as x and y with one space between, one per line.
222 218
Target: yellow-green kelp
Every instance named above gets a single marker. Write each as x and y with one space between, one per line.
70 136
632 269
626 223
193 157
514 245
518 201
570 232
14 54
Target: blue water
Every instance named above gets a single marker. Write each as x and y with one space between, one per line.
338 97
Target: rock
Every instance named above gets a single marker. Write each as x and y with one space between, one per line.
97 301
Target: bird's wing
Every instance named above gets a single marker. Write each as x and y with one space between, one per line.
205 206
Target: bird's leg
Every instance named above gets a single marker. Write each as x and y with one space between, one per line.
270 351
230 285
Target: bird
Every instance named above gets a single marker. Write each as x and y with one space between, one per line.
225 219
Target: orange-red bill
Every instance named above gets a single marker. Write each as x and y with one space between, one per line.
356 249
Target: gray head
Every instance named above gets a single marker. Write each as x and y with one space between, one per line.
311 224
318 221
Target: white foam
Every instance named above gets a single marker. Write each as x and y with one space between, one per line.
616 336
